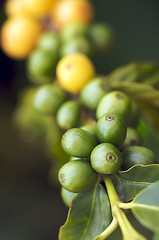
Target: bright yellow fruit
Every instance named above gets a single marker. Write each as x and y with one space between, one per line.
14 7
36 8
69 11
19 35
74 71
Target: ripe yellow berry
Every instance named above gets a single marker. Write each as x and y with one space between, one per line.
13 7
69 11
74 71
36 8
19 35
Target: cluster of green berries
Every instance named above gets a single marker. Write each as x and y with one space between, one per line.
109 145
74 38
117 115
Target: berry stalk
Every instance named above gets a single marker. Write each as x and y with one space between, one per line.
129 233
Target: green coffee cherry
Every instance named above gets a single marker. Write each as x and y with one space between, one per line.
111 128
93 91
76 45
48 99
74 30
133 155
91 128
68 114
26 97
133 138
31 124
78 142
41 62
133 119
102 36
77 176
67 196
48 41
114 102
40 79
105 158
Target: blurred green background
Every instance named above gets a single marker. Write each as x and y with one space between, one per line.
30 207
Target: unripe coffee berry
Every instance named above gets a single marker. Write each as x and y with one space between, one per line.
102 36
67 196
114 102
49 41
93 91
105 158
48 98
78 44
111 128
77 176
134 116
133 138
78 142
41 62
68 114
74 30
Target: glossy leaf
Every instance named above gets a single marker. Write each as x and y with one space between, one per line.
145 207
139 92
129 183
145 72
149 136
152 114
88 217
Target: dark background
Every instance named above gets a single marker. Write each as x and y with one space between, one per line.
30 207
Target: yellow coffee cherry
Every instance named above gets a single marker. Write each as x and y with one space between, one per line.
36 8
74 71
19 35
14 7
68 11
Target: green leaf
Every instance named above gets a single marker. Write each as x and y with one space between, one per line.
129 183
152 114
89 216
145 207
141 72
149 136
139 92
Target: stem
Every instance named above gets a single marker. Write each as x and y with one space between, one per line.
113 225
129 233
114 200
125 205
